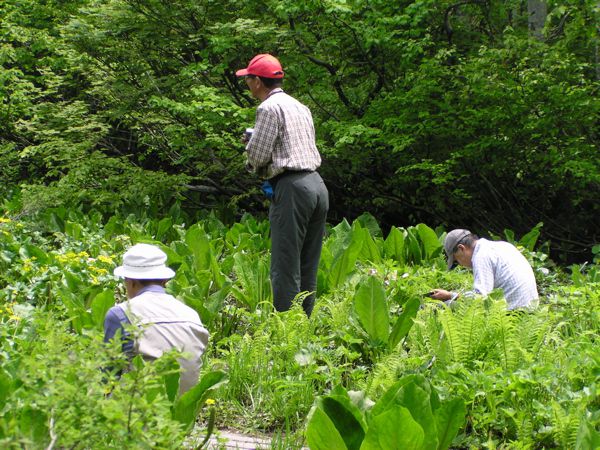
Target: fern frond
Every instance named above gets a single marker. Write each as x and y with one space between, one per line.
452 335
386 372
525 429
502 330
533 333
566 425
465 330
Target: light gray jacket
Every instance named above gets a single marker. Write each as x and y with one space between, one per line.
165 324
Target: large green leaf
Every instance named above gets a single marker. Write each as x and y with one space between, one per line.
73 284
171 383
449 417
199 244
73 229
339 238
394 245
372 310
414 248
369 250
430 241
6 387
342 396
368 222
101 303
32 251
33 423
325 264
529 240
321 433
414 393
163 227
394 429
404 322
345 264
587 436
186 408
344 421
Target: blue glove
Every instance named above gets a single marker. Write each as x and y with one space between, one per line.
267 188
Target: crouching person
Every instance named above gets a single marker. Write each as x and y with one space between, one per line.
164 322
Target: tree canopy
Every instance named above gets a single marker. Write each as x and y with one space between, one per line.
454 113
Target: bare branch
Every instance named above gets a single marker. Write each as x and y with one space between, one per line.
333 71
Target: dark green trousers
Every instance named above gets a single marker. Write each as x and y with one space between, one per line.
297 215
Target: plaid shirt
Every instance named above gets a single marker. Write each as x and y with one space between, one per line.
283 138
498 264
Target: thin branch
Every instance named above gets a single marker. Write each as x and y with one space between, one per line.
375 68
449 11
53 435
330 68
321 107
203 189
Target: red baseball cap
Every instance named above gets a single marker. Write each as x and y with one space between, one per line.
263 65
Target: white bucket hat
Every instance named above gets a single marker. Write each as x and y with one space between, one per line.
144 262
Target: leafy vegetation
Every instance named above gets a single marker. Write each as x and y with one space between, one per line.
120 123
441 112
374 351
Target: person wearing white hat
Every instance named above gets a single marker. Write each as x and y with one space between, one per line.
495 264
164 322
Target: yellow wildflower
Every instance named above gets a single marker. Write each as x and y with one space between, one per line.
210 401
98 270
105 259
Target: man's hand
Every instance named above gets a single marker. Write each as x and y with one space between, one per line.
247 135
441 294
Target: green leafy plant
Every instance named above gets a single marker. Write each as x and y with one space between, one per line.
408 415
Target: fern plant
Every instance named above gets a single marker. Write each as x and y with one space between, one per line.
565 424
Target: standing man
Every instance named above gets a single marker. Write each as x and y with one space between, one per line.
495 264
164 322
282 150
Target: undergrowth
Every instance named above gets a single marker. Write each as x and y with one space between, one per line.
528 380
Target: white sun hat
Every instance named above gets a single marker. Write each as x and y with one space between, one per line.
144 262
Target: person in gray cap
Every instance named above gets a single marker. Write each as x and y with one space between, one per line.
495 264
164 322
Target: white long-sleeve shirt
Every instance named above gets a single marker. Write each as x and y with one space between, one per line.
499 264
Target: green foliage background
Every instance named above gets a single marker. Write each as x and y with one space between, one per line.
443 112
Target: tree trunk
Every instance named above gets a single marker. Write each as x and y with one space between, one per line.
597 46
537 11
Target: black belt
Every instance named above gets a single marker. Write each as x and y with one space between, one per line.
287 172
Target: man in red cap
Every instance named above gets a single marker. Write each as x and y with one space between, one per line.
283 151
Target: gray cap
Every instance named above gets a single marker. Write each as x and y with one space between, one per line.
451 241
